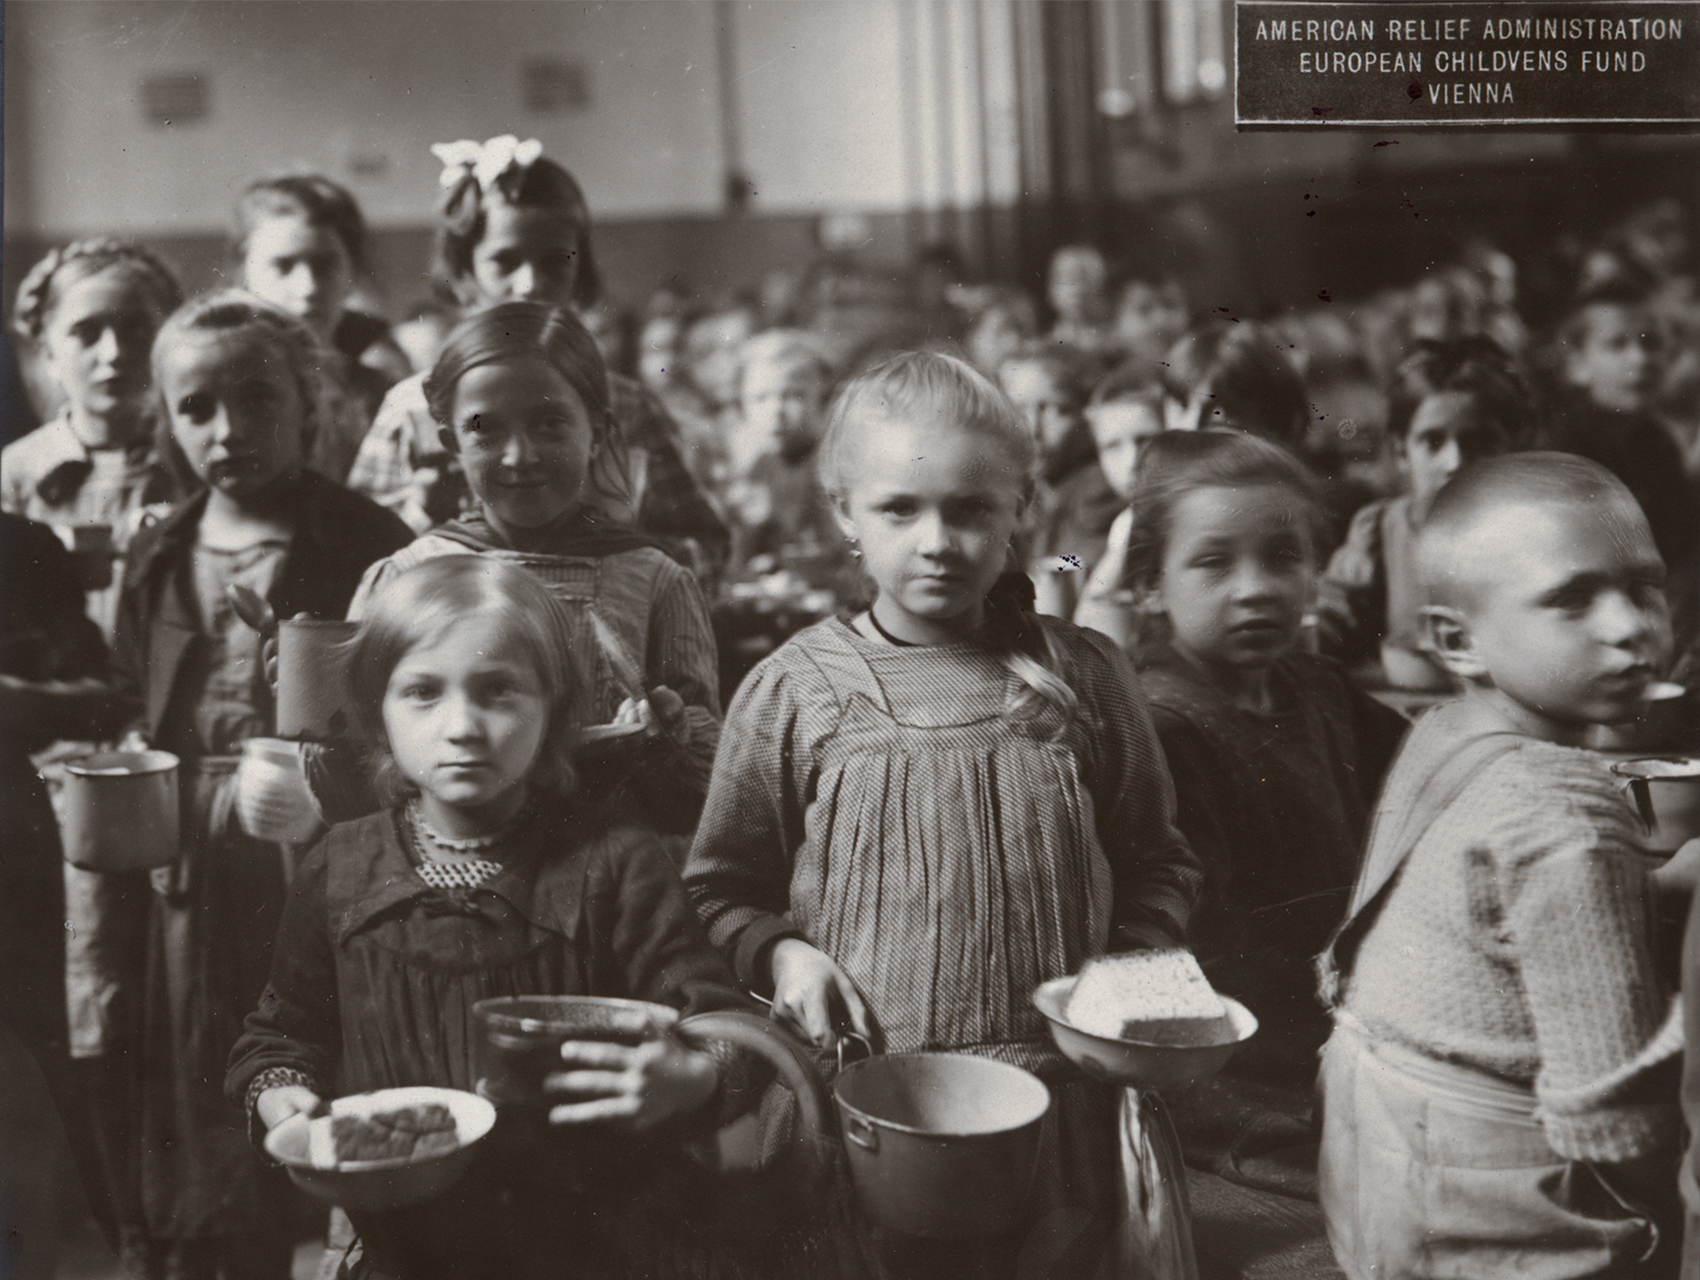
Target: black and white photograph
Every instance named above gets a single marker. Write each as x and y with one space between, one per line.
850 640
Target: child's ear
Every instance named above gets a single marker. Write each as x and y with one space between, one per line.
841 514
1447 634
447 438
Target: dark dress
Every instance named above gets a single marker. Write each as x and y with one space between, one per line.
1276 805
373 986
214 911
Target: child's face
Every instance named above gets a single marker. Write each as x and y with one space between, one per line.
712 349
997 333
464 719
525 441
1237 575
1564 613
1150 319
782 399
1121 428
1616 361
304 269
933 507
1041 397
236 409
1448 432
527 254
1076 286
96 342
661 351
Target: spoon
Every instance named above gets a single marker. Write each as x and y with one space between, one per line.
252 608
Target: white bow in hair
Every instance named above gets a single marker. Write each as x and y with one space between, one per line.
486 161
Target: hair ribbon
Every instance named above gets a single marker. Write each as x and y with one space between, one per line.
486 161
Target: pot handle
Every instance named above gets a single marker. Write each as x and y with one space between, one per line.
763 1038
860 1132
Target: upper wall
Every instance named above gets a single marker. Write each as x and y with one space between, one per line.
360 88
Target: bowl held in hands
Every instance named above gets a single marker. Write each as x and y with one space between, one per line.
379 1184
1135 1063
120 810
520 1037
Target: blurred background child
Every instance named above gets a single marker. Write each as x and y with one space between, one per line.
1125 413
1077 286
1074 505
301 241
90 311
1451 404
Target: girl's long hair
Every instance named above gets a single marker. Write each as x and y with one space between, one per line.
1175 463
416 606
227 312
515 331
944 391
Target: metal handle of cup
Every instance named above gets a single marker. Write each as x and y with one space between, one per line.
862 1133
1642 792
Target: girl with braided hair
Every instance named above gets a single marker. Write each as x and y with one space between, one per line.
920 813
90 311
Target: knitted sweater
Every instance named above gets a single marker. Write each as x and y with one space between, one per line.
1518 940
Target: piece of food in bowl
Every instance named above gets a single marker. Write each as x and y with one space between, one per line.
1155 997
394 1133
401 1133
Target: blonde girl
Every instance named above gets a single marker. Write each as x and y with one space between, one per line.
484 876
239 380
921 812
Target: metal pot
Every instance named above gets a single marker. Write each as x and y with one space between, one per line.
120 810
942 1144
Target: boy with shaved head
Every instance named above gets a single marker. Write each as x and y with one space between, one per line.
1500 1091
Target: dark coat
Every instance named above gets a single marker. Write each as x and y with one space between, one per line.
338 533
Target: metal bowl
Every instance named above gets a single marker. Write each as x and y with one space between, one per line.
383 1184
1132 1062
520 1037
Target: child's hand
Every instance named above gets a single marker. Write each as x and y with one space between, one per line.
1681 872
663 712
639 1087
666 714
813 996
274 1106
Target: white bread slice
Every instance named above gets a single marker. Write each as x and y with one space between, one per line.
321 1147
1152 997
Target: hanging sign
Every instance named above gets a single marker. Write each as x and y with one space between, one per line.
1612 63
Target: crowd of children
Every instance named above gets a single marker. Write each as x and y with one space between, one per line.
1046 641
